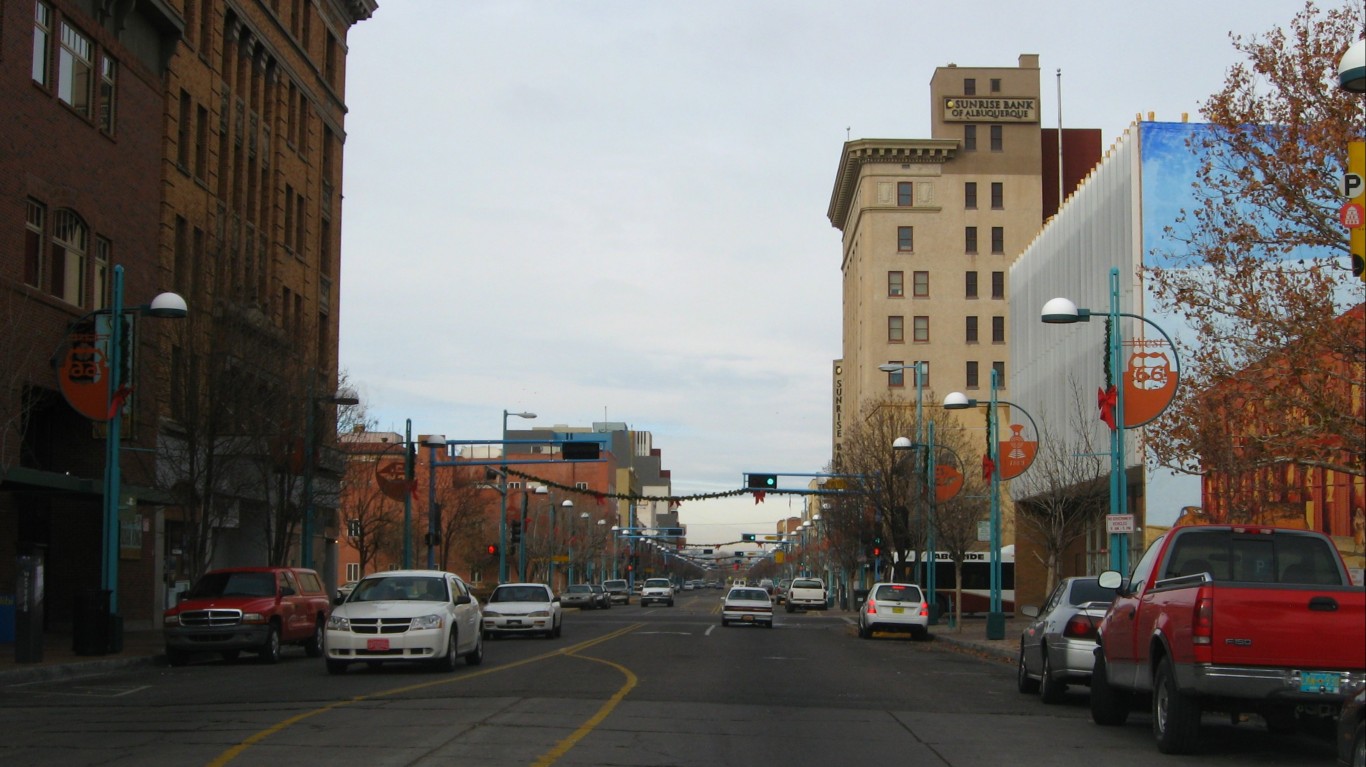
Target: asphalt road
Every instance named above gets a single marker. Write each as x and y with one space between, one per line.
626 686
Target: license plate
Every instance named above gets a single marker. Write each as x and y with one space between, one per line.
747 618
376 644
898 610
1319 681
514 623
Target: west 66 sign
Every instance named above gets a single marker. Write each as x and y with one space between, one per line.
1150 379
83 374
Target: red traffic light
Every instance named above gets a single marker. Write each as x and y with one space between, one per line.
493 549
877 551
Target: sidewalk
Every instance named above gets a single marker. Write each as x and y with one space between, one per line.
973 638
60 661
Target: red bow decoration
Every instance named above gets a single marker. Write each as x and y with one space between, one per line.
1106 399
988 466
116 404
758 497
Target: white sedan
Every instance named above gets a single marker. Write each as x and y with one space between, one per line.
405 615
523 608
747 604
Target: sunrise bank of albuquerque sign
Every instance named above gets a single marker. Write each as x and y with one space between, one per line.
996 109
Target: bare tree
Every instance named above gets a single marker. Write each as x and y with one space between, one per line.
20 358
1065 492
882 479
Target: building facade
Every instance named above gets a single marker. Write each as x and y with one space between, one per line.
196 144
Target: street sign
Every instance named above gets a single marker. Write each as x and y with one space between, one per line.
1351 215
1351 185
1119 523
1354 189
983 531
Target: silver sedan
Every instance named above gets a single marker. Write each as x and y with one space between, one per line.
1057 647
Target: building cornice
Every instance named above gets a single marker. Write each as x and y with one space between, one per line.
865 151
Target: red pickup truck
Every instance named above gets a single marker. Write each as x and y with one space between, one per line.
256 609
1232 618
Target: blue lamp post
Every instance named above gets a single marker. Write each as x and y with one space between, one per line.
996 619
306 528
434 442
503 502
164 305
1062 311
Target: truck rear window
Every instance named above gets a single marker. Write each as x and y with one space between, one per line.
1282 557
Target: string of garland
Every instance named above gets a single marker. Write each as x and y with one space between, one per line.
1105 358
625 496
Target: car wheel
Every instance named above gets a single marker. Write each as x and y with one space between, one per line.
864 632
476 656
1109 707
1359 746
447 662
336 666
789 607
920 633
1050 689
1176 716
314 646
1023 682
177 657
671 603
270 651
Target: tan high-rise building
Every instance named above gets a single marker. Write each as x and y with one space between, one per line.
931 227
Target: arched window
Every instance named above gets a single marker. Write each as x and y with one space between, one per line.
67 265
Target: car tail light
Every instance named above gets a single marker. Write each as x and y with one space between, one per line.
872 607
1202 627
1080 627
924 610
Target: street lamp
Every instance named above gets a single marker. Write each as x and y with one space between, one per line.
164 306
340 397
435 442
503 502
1062 311
996 618
1352 68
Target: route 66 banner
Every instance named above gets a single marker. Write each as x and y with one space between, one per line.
1150 379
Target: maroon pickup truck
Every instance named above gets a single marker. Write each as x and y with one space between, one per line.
1232 618
256 609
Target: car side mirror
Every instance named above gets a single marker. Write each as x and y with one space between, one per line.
1030 611
338 599
286 591
463 599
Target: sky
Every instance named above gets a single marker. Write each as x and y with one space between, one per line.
615 210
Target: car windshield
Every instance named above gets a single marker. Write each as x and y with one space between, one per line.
756 595
234 585
898 592
658 583
399 589
1089 590
519 594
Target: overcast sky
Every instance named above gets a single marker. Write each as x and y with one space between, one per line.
615 210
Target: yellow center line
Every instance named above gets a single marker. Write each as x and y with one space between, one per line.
236 751
561 748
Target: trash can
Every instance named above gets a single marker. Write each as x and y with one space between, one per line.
860 596
90 622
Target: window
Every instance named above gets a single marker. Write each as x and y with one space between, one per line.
995 138
66 270
970 285
905 239
969 86
896 330
970 195
42 43
998 240
75 68
924 373
998 285
972 375
182 156
921 329
896 284
905 196
969 138
33 243
109 70
999 368
896 377
921 284
998 195
995 85
970 240
971 336
998 329
103 253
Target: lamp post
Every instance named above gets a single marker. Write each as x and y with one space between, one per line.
503 503
306 528
554 539
1352 68
166 306
1062 311
434 442
996 618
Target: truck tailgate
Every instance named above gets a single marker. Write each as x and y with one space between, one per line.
1298 627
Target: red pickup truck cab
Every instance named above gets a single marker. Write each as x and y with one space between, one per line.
1232 618
257 609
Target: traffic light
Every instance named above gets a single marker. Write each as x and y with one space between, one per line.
514 531
762 481
493 549
876 549
747 537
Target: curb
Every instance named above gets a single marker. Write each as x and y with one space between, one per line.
74 669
